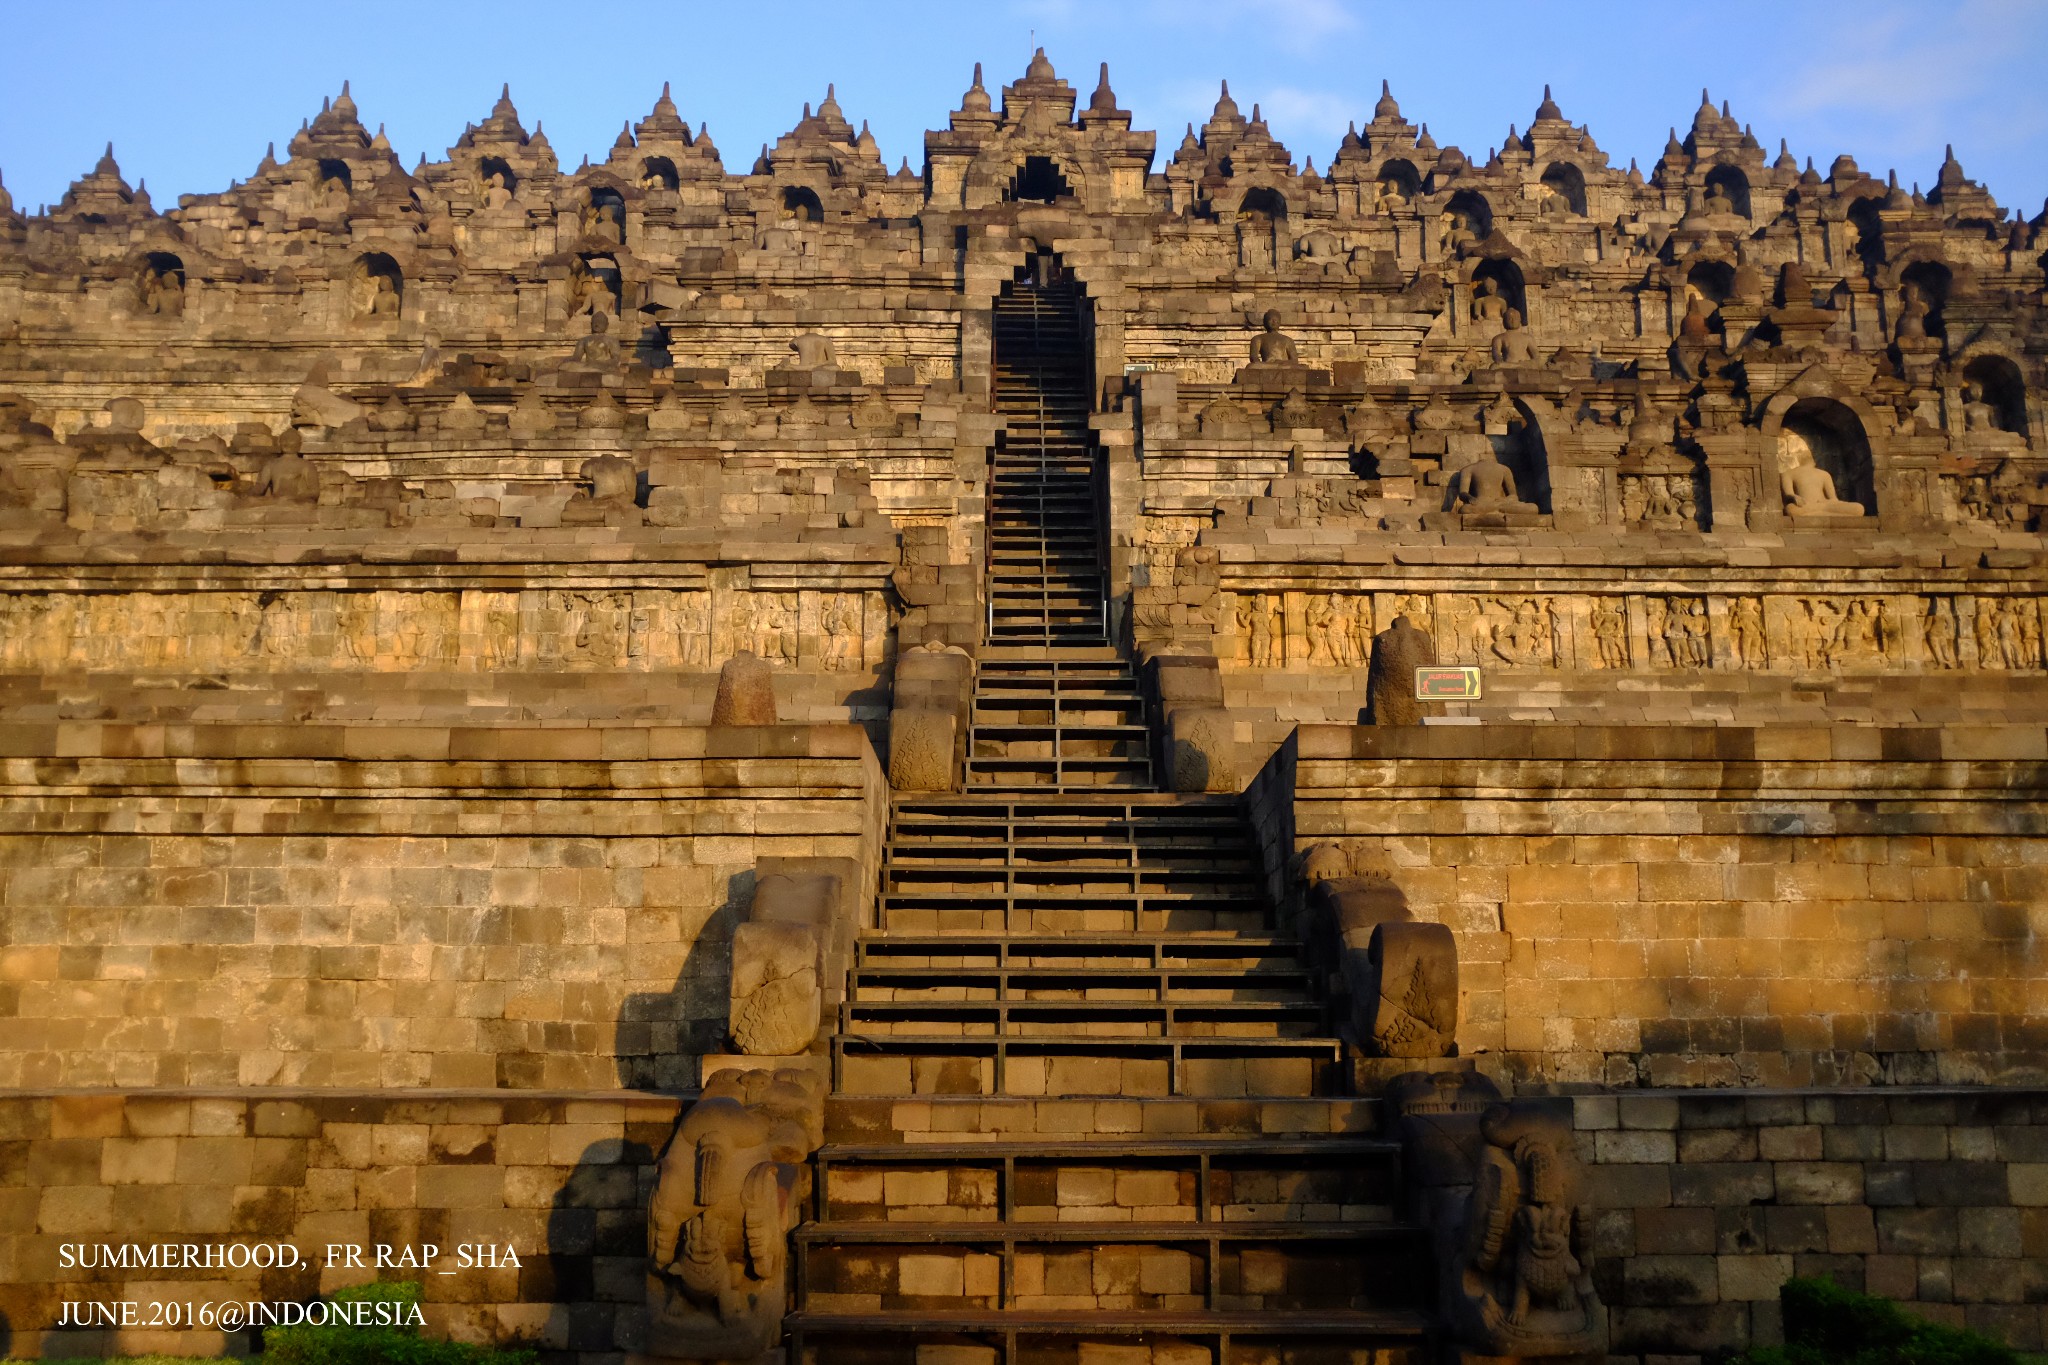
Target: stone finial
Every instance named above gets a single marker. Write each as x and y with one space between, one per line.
1704 119
976 100
1226 107
1040 68
624 141
1951 173
1548 112
1387 107
746 692
1103 101
828 108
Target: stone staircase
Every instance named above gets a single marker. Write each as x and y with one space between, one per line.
1087 1105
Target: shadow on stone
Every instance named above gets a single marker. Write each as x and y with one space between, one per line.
593 1274
661 1034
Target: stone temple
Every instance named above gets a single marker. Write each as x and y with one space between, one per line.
828 762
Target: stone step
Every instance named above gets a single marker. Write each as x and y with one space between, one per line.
1050 634
1010 588
1022 777
964 953
938 911
1278 1267
1235 855
1101 654
907 1064
1100 878
1105 1185
1080 714
1064 1122
1012 1017
951 1336
1053 820
1056 697
1082 979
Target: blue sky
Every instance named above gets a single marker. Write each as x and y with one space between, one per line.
189 93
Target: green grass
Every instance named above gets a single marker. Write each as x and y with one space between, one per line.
1828 1325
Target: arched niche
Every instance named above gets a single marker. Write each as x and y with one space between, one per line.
604 213
1998 385
1524 451
1932 281
1828 432
1866 230
334 180
800 205
497 182
1261 203
1506 279
1261 227
376 287
1471 206
1726 184
1399 183
160 285
1713 281
1037 181
595 286
659 173
1565 184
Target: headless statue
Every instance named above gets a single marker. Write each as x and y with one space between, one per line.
1485 485
1513 346
1810 490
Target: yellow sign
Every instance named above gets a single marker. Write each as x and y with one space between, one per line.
1457 682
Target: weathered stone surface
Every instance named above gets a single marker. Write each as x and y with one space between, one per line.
1397 652
1408 1004
746 692
1202 748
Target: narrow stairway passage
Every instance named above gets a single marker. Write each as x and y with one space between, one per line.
1087 1103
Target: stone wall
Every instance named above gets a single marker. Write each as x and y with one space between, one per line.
365 905
1708 906
560 1178
1707 1202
